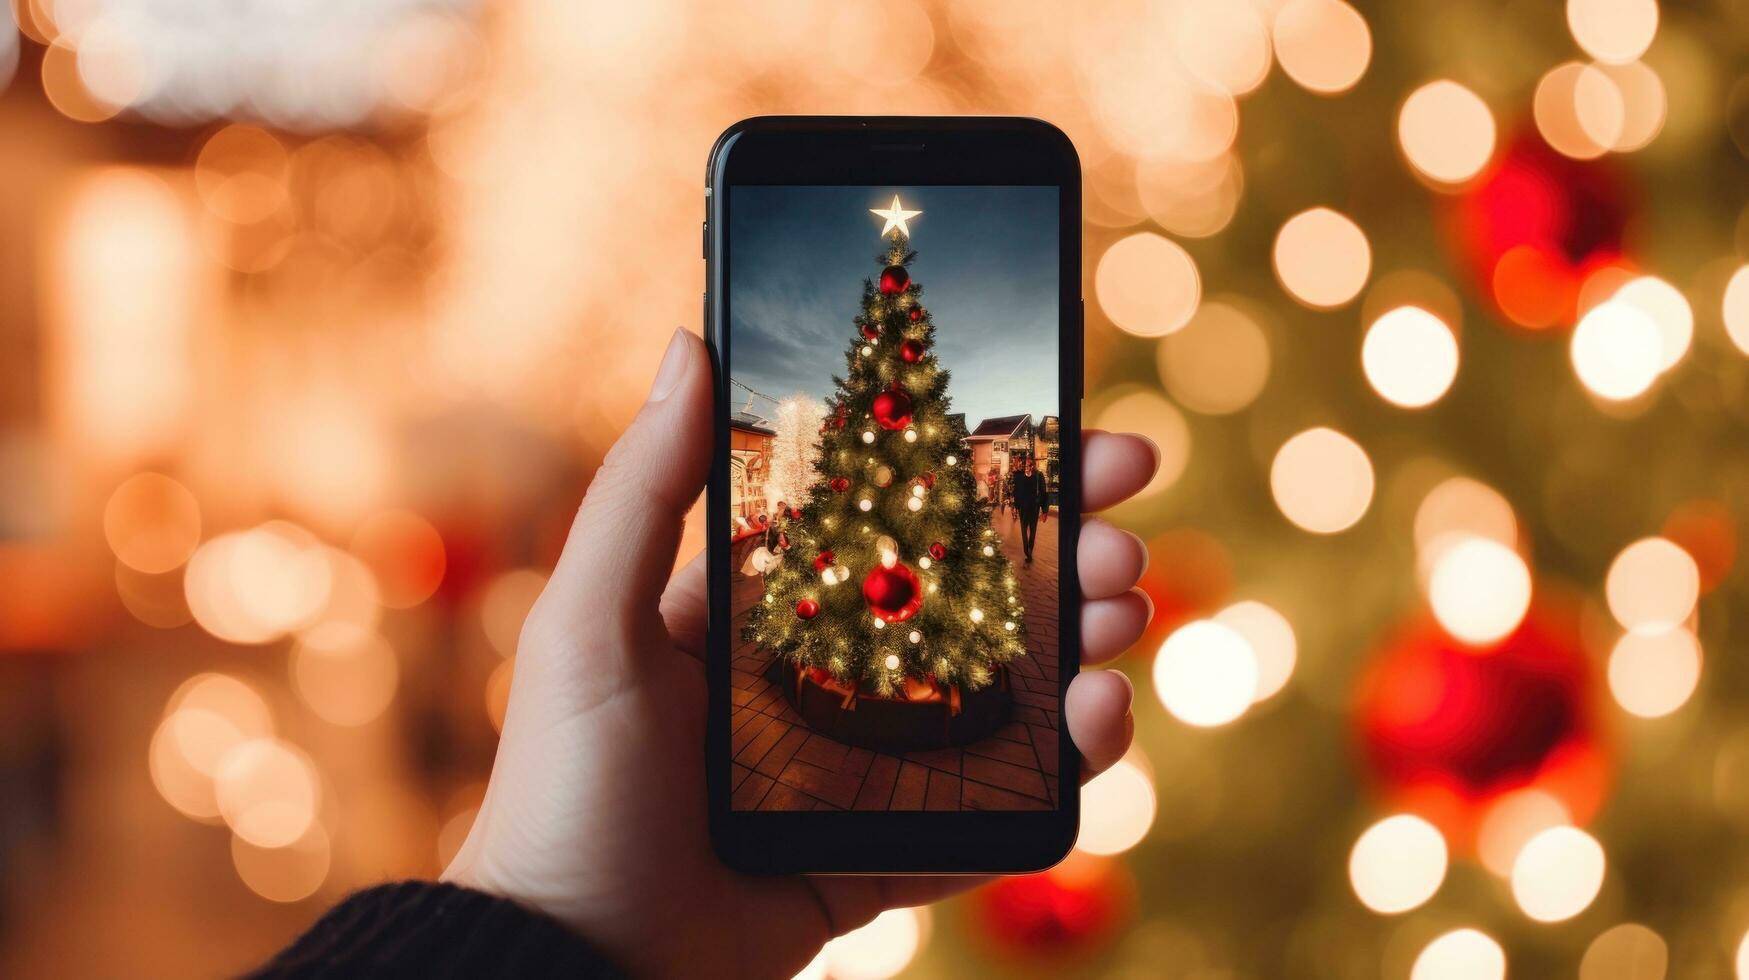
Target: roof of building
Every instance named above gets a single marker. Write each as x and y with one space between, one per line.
751 423
1006 425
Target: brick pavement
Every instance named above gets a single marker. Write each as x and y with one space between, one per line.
780 765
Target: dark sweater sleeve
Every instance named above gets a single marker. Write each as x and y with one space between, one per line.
425 929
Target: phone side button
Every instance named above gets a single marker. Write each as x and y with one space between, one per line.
704 240
1083 335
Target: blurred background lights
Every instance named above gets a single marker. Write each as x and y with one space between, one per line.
1617 351
1397 864
506 605
1147 284
1668 308
878 950
345 675
1410 357
268 792
1206 674
1225 45
1480 590
1271 639
1511 821
1628 951
8 47
1652 583
152 523
405 553
1322 481
1324 45
284 874
1654 670
1734 308
1557 874
1218 363
1613 30
1462 954
1117 809
1322 258
1579 110
1456 509
1446 131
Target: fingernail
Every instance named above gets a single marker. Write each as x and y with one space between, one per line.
673 367
1127 683
1153 447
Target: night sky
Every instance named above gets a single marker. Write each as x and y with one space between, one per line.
986 259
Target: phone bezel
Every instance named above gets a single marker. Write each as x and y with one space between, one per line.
898 151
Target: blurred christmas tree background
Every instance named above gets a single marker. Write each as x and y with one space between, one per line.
1437 311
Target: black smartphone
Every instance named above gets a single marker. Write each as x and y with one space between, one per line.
894 306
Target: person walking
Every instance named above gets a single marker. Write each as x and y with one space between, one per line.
1029 501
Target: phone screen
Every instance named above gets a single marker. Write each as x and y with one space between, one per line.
893 380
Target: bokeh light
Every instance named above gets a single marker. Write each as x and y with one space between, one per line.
877 950
1271 638
1618 351
1456 509
1668 308
1652 583
1446 131
344 674
254 586
1480 590
1654 670
1147 284
1734 308
284 874
1628 951
506 604
1206 674
1511 821
152 523
1613 30
1324 45
1117 808
1557 874
1218 363
268 791
1322 258
1410 357
1397 864
1462 954
405 553
1322 481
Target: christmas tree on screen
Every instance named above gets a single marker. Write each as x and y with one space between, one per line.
893 580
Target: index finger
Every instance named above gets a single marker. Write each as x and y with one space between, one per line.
1115 466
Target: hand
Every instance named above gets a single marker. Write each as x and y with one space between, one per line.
596 811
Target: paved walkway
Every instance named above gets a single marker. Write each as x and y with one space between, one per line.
780 765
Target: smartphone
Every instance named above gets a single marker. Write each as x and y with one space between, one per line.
894 307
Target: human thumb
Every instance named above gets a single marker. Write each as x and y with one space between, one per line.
623 542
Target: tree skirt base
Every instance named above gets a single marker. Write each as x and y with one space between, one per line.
895 724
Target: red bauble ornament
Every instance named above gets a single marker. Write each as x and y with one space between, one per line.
911 351
916 313
825 561
1448 729
1537 225
892 408
937 552
894 279
893 594
838 422
807 609
871 330
795 513
783 540
839 484
1071 908
928 480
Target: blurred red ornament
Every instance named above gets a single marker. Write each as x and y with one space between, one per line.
928 480
406 553
795 513
916 313
893 594
937 552
1707 531
911 351
894 279
1536 225
871 330
824 561
892 408
840 484
783 540
807 609
838 422
1448 729
1072 908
